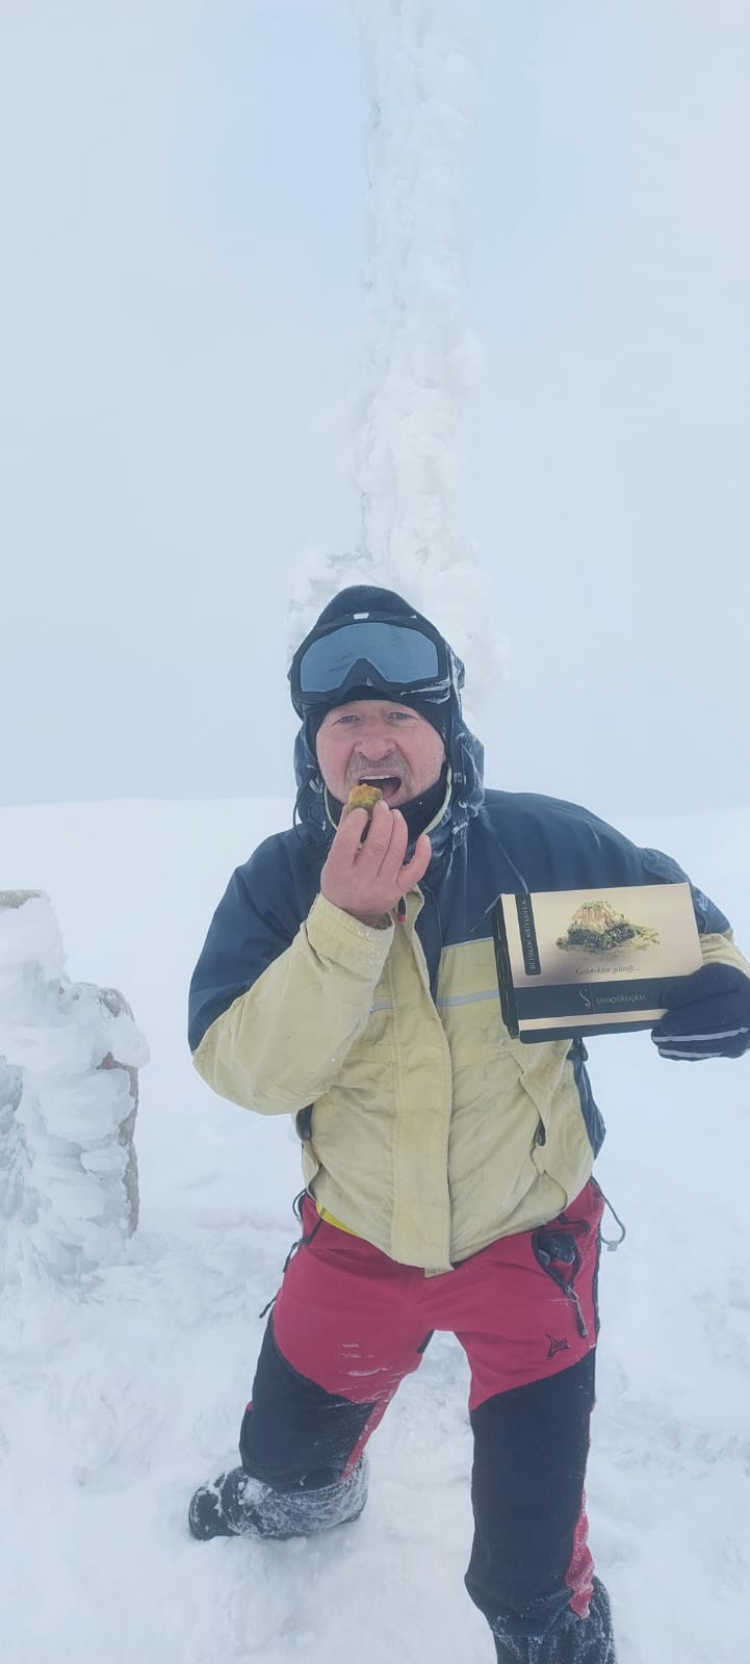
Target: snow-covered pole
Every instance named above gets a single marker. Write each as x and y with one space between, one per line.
422 65
69 1056
422 68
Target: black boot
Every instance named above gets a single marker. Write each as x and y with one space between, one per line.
571 1640
237 1505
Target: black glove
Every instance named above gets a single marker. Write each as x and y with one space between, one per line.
708 1015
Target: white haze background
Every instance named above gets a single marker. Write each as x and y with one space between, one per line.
186 425
184 232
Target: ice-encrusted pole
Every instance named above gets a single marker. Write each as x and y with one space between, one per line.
422 62
69 1056
422 68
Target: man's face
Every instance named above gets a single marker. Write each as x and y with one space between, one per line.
382 744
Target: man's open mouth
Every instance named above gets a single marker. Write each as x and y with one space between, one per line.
388 784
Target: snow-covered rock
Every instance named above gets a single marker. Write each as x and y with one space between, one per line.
69 1060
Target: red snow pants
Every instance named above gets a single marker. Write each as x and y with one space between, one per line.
349 1324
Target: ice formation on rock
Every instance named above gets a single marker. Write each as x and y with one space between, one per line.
69 1060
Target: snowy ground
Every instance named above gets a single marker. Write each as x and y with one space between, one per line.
113 1405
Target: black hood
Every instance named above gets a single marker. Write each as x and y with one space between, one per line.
465 753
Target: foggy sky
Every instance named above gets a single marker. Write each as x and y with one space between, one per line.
180 285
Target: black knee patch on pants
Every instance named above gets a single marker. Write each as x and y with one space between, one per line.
530 1451
294 1434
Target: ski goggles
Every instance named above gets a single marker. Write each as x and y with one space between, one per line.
398 658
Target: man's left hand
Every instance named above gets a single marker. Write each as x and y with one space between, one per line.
708 1015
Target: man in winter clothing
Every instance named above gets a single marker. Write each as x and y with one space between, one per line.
348 979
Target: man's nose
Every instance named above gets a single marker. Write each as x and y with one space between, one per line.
375 739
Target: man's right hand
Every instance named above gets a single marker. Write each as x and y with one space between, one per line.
367 878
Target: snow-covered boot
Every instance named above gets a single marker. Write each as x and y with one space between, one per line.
237 1505
571 1640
